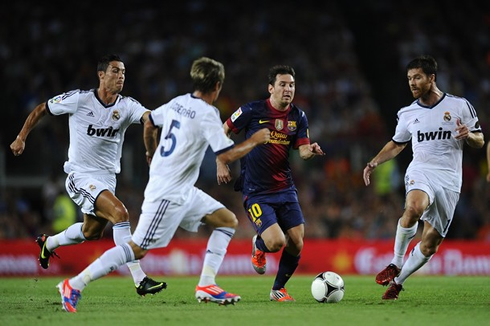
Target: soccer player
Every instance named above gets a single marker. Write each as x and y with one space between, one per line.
438 124
269 194
98 120
189 124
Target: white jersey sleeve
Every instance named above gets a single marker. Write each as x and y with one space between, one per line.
212 129
66 103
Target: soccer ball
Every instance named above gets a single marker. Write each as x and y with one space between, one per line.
327 287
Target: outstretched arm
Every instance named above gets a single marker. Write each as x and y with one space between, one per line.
18 145
258 138
389 151
308 151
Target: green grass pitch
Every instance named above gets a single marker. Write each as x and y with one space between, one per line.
434 300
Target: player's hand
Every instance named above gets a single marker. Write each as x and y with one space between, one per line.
316 149
262 136
462 131
367 172
223 174
149 157
18 146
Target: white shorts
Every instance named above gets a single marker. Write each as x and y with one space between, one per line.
442 201
159 220
84 189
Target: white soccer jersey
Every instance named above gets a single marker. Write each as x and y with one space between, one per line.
188 125
96 130
432 131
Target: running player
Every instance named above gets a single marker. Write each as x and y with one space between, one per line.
189 124
98 119
269 194
438 125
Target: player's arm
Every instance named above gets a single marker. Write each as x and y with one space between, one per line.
150 134
223 174
258 138
18 145
473 139
389 151
145 117
307 151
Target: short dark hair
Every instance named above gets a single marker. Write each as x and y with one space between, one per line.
425 62
205 73
105 60
279 70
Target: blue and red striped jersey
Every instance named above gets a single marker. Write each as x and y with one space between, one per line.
266 168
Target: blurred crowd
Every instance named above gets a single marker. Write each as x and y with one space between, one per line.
351 80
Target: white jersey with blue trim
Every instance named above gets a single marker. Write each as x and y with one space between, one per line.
188 126
96 130
432 131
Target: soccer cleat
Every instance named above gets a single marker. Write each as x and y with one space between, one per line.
45 253
213 293
69 296
281 295
149 286
392 292
388 274
258 258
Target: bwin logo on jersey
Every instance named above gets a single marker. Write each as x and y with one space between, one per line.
433 135
101 132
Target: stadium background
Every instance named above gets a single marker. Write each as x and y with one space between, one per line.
349 57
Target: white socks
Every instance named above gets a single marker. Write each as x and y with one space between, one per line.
402 240
121 233
108 262
215 253
72 235
415 260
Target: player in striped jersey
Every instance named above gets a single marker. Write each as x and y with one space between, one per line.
269 194
98 119
438 125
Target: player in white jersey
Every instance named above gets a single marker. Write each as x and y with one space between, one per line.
98 119
188 124
438 125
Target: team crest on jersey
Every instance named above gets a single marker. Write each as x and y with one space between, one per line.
279 124
92 187
115 115
447 116
292 125
56 99
236 114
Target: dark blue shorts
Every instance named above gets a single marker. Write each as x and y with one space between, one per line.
281 208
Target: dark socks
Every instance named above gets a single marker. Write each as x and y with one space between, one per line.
287 266
259 243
